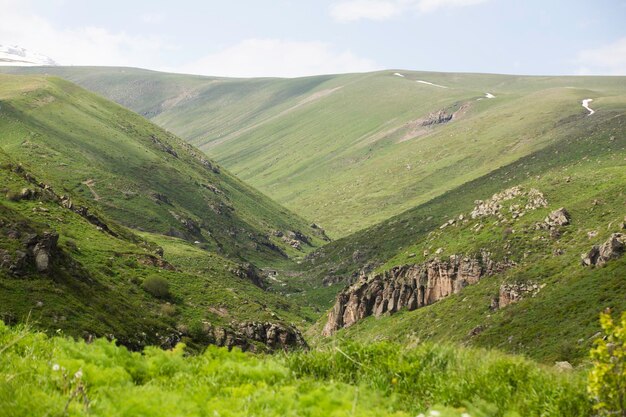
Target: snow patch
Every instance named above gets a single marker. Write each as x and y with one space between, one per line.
586 105
434 85
397 74
18 56
489 95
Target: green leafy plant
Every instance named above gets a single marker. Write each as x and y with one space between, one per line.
607 379
157 286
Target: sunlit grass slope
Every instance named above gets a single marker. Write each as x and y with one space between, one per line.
347 151
58 376
94 286
584 172
137 173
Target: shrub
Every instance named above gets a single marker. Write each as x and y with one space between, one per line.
607 379
13 196
168 309
157 286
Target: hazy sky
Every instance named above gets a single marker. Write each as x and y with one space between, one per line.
303 37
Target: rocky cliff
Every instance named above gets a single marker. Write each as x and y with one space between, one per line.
409 287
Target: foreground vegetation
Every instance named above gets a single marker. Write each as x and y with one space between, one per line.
42 375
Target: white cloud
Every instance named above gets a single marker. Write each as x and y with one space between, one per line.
278 58
80 45
606 60
426 6
347 11
352 10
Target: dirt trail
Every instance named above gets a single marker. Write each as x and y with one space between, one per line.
90 184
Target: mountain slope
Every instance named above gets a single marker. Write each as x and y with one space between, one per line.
140 175
347 151
542 301
110 226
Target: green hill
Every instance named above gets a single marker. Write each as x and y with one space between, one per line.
348 151
139 174
397 158
110 226
583 170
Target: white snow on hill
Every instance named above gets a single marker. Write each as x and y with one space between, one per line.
429 83
18 56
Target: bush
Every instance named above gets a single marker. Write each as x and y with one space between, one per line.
607 379
157 286
13 196
168 309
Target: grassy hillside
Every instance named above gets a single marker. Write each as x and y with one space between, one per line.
110 226
138 174
584 171
101 379
95 284
349 151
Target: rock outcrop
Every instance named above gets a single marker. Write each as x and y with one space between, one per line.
408 287
274 335
599 255
438 117
559 217
42 249
246 336
36 250
514 292
251 273
494 206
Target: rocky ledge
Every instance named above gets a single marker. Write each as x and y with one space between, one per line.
409 287
35 250
599 255
248 336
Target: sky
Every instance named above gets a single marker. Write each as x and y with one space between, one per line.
290 38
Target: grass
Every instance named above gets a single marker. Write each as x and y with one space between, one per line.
330 147
138 174
95 285
583 172
41 375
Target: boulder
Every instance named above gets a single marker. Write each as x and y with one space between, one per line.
563 366
559 217
511 293
599 255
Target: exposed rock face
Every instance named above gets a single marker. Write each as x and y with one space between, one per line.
558 217
84 212
494 206
295 239
599 255
42 248
162 146
409 286
157 262
38 250
512 293
438 117
275 336
251 273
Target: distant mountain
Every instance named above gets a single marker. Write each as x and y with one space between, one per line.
18 56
